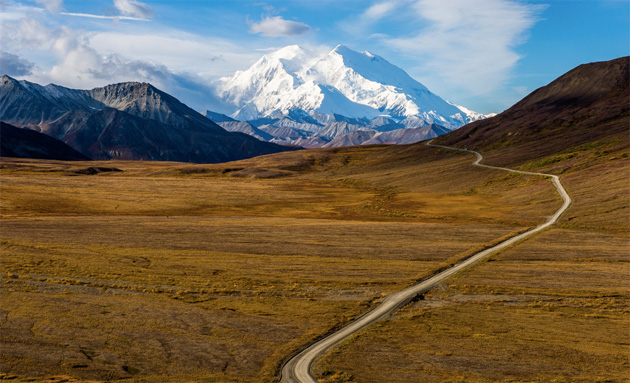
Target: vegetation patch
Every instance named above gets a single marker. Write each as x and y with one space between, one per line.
92 170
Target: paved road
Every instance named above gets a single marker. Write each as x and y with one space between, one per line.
297 369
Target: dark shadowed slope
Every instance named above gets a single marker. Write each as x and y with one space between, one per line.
588 103
127 121
25 143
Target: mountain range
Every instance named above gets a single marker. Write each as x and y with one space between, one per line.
291 96
127 121
136 121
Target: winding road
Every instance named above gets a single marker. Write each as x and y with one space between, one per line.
297 369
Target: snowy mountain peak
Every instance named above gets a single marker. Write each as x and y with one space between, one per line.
343 81
340 48
344 50
376 68
289 52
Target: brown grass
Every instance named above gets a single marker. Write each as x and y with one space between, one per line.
554 308
551 309
177 272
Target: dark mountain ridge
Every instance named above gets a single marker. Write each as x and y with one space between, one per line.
24 103
26 143
588 103
146 101
127 121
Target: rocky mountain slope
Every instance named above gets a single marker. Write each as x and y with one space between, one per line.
127 121
338 131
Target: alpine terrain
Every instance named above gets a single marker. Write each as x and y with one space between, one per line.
127 121
341 98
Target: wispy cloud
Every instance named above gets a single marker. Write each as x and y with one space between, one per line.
51 5
129 10
134 8
92 16
379 10
468 44
25 33
205 55
276 26
358 25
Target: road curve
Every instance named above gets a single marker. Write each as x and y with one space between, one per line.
297 369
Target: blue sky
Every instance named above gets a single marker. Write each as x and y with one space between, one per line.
482 54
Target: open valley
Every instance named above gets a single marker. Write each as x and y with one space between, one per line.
209 266
197 274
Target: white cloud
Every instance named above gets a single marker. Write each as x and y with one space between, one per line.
468 44
72 61
182 64
134 8
26 33
207 56
51 5
276 26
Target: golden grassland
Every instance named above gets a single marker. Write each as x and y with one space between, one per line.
170 272
554 308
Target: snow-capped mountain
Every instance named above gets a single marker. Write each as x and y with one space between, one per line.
343 81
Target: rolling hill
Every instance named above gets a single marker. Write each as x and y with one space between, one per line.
587 104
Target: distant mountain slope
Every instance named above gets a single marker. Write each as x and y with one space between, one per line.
333 131
128 121
357 137
216 117
588 103
407 136
247 128
26 143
